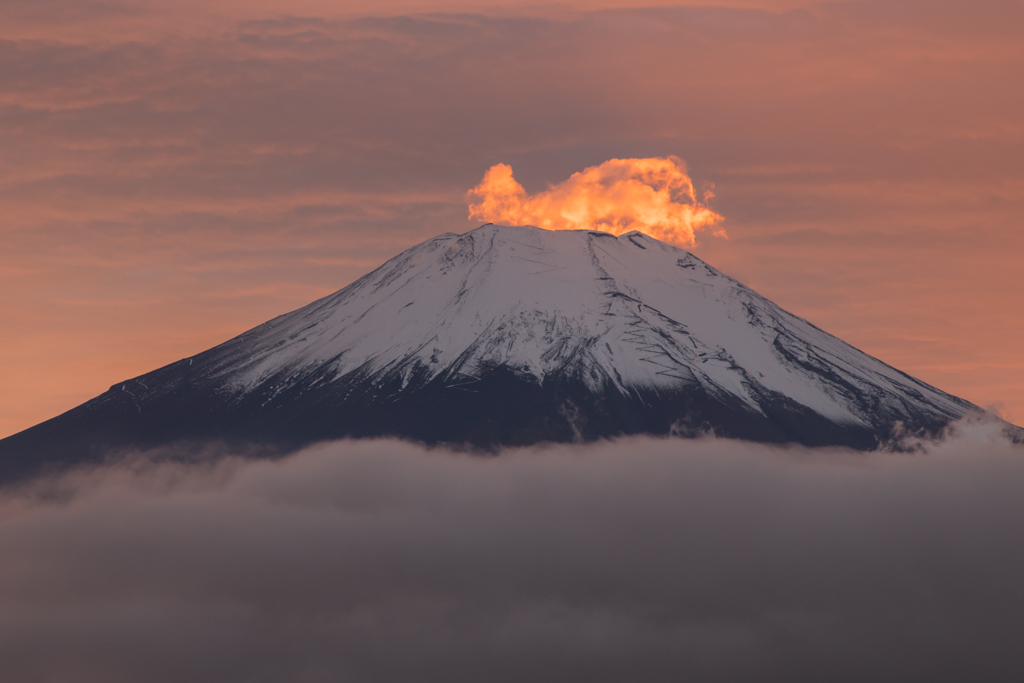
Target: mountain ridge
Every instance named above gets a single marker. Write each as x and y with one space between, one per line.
511 335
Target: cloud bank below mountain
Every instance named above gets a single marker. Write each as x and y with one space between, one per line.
644 559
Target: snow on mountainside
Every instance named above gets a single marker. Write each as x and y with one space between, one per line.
512 335
628 311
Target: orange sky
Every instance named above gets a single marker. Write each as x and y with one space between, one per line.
174 173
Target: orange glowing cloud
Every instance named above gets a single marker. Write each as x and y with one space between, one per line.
655 196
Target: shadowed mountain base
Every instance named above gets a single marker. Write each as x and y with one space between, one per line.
498 409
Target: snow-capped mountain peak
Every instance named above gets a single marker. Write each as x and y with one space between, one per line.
514 335
629 312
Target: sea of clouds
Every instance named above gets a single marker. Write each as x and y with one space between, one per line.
633 560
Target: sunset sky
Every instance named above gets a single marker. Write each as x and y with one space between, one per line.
174 173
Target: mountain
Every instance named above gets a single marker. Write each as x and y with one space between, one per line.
507 336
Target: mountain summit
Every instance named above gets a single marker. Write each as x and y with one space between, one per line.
513 335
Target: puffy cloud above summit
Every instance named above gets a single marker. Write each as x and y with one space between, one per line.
655 196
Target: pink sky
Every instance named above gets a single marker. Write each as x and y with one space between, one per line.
175 173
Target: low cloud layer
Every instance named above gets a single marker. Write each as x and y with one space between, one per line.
655 196
653 560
